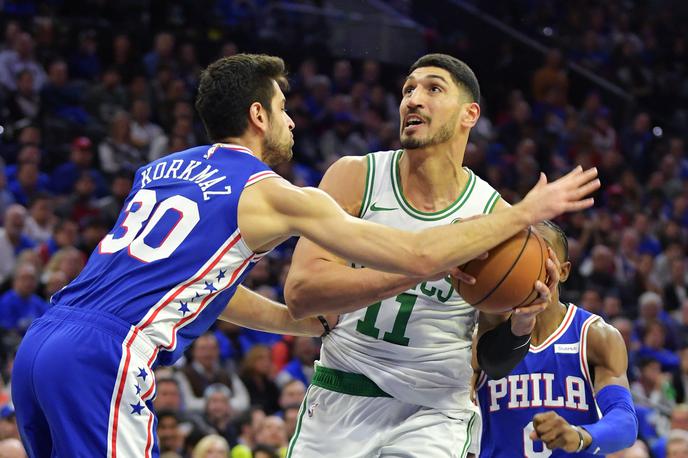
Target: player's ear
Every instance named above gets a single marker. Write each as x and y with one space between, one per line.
564 271
258 116
470 114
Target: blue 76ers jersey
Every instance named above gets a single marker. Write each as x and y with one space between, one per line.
553 376
176 255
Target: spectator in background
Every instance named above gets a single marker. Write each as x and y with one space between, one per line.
168 398
68 260
12 239
12 448
170 437
144 133
205 369
341 140
218 411
212 446
116 152
21 305
41 218
85 63
256 375
551 77
81 204
24 103
654 341
292 394
21 58
652 388
8 423
246 425
64 235
62 98
676 291
80 160
677 444
304 353
28 184
272 432
680 379
108 98
111 204
161 55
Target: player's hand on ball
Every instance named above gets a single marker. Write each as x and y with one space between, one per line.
460 275
523 318
555 432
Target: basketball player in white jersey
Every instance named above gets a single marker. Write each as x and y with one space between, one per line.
394 376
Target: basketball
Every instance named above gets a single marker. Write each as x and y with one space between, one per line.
506 278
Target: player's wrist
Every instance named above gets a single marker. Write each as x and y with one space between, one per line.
584 439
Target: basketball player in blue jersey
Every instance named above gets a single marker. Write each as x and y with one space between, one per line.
193 226
550 404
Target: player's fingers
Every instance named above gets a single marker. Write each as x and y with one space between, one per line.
540 418
531 309
558 442
580 205
582 177
542 290
585 189
462 276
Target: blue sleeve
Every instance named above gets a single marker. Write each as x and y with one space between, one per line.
618 427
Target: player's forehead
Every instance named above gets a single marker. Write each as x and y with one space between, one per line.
429 74
551 237
277 95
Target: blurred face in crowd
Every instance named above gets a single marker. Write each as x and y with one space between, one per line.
42 210
56 281
655 336
121 187
57 73
679 417
278 140
291 416
431 108
305 350
169 436
292 394
15 217
25 83
82 157
168 396
272 432
66 235
677 449
218 407
27 175
25 280
206 351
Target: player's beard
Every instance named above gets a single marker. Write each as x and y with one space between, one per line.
443 135
276 148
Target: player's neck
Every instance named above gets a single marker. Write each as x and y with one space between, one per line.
433 178
255 144
548 321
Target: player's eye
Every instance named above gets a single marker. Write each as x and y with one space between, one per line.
407 90
435 89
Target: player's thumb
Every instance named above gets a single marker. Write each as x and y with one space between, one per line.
534 435
542 181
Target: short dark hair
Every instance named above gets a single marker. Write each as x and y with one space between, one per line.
230 85
561 235
460 72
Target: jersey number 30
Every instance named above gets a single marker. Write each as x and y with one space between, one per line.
138 216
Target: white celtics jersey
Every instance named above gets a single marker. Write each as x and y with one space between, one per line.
415 346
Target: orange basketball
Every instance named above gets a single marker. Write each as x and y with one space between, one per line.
506 278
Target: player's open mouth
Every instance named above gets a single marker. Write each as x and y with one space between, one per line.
412 122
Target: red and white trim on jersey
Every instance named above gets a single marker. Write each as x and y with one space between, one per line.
216 146
256 177
563 326
124 439
584 347
222 270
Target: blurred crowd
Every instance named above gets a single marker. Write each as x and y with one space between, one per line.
83 104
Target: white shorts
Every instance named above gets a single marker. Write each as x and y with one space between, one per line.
332 424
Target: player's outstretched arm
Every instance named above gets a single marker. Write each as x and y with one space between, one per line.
618 427
251 310
273 209
321 282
